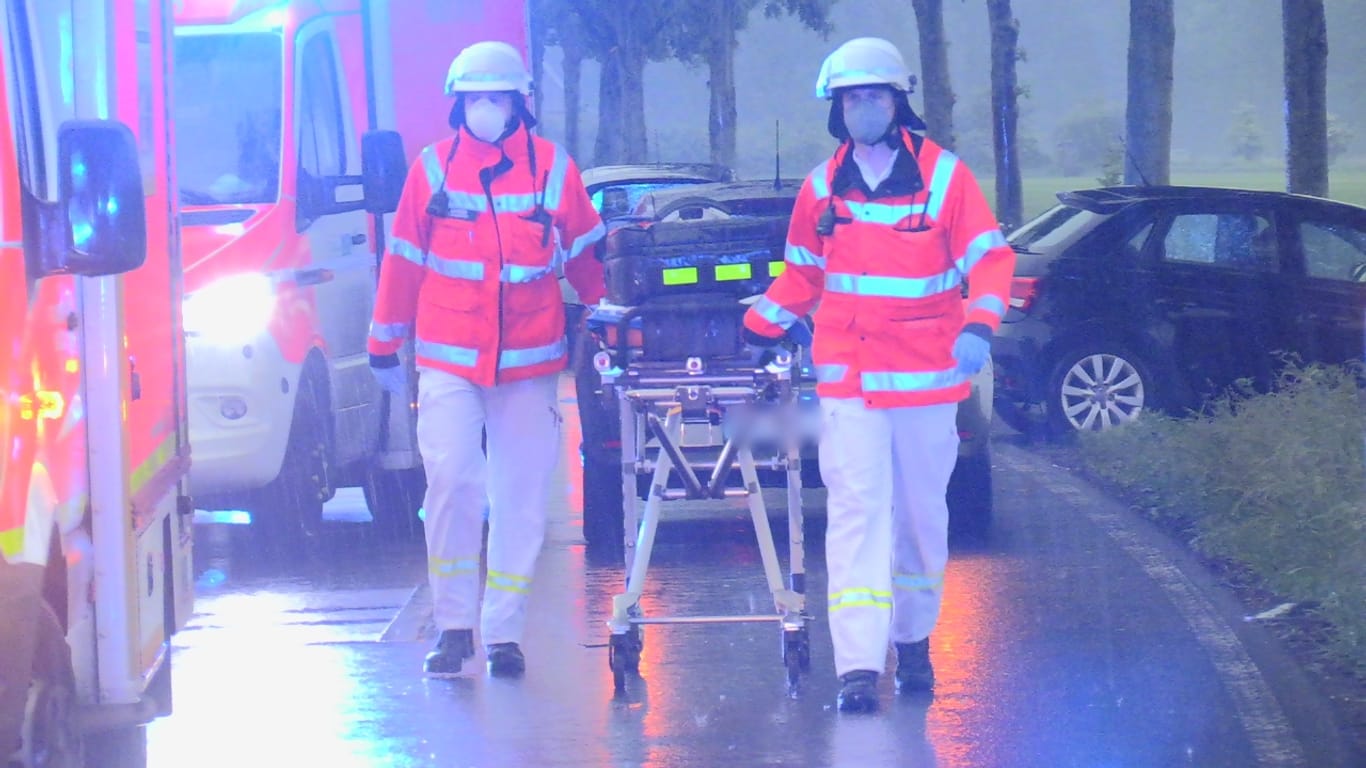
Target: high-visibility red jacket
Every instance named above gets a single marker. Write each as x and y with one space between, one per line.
476 267
886 278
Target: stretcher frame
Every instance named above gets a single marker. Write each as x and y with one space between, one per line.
658 401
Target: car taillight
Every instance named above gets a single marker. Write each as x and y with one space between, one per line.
1023 292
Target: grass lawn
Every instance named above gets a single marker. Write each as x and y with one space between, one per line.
1040 191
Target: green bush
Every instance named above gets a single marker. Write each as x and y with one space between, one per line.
1273 482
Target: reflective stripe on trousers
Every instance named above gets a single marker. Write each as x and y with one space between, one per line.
886 472
523 425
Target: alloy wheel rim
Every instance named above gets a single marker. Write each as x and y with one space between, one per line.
1101 391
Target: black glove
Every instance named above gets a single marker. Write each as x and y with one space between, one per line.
799 333
753 339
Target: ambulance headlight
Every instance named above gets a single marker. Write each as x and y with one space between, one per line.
232 310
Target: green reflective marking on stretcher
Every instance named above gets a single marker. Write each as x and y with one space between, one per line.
776 268
733 272
680 276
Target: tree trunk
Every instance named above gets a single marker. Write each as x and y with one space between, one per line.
934 71
635 144
607 147
621 126
537 36
572 46
573 101
1005 37
1306 101
1148 114
721 63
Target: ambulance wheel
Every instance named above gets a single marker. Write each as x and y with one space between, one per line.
394 498
294 499
602 503
119 748
49 736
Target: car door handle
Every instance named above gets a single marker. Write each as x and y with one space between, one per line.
303 277
358 238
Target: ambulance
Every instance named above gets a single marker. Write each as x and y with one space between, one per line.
284 177
95 530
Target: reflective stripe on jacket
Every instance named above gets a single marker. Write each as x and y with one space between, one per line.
477 272
887 282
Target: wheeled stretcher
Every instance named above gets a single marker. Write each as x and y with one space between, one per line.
687 422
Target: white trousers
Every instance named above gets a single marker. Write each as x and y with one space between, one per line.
523 427
886 543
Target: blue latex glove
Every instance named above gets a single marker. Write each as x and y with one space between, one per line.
970 351
393 379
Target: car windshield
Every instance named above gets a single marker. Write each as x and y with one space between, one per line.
1050 228
615 200
227 118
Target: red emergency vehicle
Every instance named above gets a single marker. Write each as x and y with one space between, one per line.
280 235
94 518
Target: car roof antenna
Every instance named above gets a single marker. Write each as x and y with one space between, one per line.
1138 170
777 155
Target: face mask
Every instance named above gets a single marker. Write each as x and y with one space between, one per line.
867 122
486 120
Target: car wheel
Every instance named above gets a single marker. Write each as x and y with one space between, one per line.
969 496
603 515
598 424
394 498
1097 387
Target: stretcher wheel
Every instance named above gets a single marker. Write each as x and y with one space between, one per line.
623 656
796 655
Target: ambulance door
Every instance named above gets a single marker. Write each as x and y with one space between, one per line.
342 257
153 343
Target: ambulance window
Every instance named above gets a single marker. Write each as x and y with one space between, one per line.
27 104
53 35
322 143
146 101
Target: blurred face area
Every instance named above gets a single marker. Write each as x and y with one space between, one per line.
487 113
868 112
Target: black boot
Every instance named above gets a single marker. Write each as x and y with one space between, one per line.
858 692
506 660
452 648
913 669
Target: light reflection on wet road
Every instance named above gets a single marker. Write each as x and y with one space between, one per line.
1055 649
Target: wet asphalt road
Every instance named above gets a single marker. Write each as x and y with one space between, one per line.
1073 636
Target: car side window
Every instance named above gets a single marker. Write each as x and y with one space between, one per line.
1333 251
1239 241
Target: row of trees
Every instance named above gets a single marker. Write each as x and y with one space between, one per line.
623 36
1148 110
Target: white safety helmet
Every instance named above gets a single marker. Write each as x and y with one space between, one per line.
863 61
488 66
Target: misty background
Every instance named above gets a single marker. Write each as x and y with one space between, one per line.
1227 100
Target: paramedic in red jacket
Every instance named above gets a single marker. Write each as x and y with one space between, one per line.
485 219
882 237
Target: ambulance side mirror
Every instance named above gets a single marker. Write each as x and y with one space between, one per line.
100 217
383 170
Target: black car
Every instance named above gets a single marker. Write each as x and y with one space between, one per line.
746 220
617 189
1127 299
